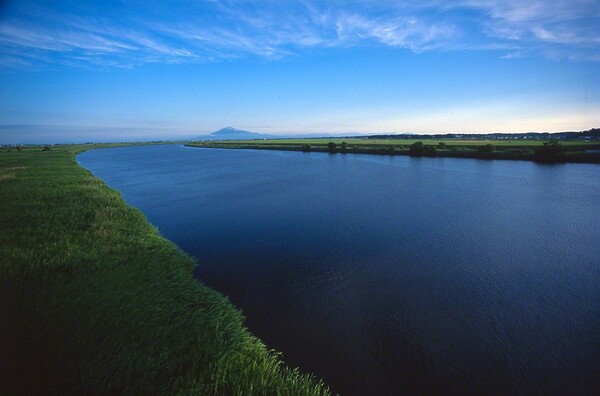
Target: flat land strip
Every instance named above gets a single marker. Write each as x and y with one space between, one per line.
576 150
94 301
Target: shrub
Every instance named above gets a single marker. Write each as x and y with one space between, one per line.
331 147
418 149
550 152
486 148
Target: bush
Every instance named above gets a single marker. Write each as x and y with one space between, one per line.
344 147
306 148
331 147
551 151
486 148
418 149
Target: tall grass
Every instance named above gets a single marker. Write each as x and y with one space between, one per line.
94 300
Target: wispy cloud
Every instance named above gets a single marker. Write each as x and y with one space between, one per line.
39 33
404 32
555 29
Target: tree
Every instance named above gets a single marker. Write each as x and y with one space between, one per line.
551 151
344 147
331 147
486 148
442 146
430 151
418 149
306 148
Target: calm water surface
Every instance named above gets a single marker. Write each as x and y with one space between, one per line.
383 274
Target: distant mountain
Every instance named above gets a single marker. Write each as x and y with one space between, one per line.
231 133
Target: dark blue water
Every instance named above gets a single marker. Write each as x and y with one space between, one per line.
385 275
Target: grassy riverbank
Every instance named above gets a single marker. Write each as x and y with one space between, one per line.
94 300
571 150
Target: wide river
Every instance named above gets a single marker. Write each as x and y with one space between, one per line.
389 275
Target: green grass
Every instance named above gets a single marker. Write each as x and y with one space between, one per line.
503 149
94 300
404 142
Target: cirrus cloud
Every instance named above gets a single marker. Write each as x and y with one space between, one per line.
126 34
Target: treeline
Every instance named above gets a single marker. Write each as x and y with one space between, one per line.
547 151
592 134
551 151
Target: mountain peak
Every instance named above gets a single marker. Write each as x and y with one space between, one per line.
231 131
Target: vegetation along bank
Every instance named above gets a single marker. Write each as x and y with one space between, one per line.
531 150
94 300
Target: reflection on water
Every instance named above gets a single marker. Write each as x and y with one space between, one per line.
385 275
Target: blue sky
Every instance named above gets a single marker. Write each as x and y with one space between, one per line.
122 70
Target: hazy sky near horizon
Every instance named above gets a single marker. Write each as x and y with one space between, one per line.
131 69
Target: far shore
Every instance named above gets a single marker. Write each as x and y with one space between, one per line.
580 151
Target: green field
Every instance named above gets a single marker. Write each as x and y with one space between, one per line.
571 150
94 300
405 142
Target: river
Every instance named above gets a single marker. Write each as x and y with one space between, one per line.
388 275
